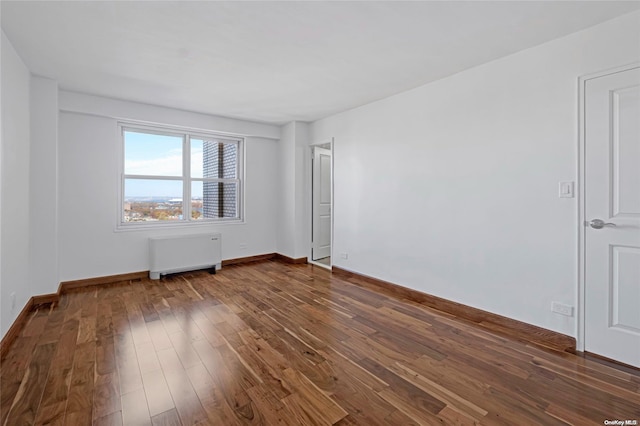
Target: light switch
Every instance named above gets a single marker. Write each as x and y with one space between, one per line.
565 190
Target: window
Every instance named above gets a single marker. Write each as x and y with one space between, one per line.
170 176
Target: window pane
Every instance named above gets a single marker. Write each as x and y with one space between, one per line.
215 160
214 200
152 155
152 200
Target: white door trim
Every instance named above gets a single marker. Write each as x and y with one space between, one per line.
310 190
581 288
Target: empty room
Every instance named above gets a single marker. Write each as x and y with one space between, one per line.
320 212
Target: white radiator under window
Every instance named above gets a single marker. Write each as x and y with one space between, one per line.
184 253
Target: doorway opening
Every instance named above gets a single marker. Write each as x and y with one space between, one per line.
321 204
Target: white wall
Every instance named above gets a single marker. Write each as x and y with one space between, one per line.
285 243
88 182
115 108
14 180
302 229
292 239
451 188
44 186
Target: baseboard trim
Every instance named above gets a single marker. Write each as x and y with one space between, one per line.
89 282
44 299
291 260
489 321
15 328
248 259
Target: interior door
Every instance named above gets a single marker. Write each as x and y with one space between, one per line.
612 212
321 203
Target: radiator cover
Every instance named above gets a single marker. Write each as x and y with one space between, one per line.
184 253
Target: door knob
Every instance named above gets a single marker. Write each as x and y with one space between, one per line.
599 224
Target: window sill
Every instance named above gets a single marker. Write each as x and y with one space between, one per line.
155 226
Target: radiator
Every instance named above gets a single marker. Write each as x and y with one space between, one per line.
184 253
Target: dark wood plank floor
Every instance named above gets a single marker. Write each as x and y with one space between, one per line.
269 343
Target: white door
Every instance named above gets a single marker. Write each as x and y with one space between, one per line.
612 212
321 203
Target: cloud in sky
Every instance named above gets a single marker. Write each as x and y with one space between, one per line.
165 166
168 165
148 154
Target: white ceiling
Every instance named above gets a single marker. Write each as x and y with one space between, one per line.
277 61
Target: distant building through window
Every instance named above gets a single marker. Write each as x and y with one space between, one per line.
219 161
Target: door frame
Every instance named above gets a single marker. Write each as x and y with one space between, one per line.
581 313
328 141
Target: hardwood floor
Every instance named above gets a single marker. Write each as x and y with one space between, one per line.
272 343
325 260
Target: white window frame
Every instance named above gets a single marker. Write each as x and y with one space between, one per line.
187 135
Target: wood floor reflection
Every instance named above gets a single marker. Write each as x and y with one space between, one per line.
276 344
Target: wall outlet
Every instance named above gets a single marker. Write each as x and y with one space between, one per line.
344 255
562 309
13 302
